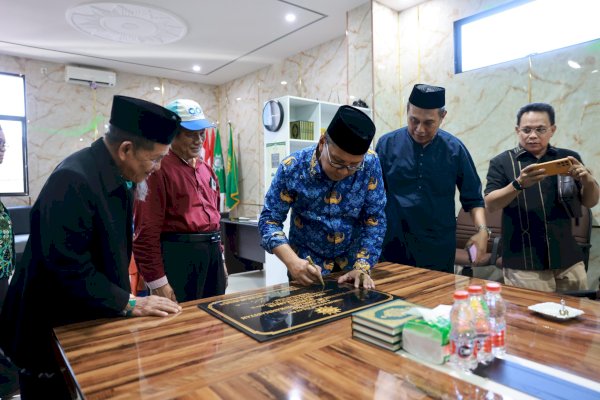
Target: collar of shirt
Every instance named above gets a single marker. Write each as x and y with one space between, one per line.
193 165
520 152
420 146
314 166
109 172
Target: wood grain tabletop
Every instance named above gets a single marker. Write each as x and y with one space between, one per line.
193 355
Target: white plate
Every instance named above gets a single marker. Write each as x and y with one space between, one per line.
553 310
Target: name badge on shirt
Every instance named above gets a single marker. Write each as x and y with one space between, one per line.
213 184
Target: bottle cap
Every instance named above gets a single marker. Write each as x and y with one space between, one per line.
475 289
493 287
460 295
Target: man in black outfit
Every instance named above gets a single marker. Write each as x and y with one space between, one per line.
75 264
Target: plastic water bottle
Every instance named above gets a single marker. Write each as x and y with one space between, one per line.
462 333
497 309
481 315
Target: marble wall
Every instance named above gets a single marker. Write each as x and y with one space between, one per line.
482 104
63 117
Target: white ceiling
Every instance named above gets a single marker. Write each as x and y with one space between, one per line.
227 38
400 5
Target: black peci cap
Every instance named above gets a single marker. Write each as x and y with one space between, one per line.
427 96
351 130
143 118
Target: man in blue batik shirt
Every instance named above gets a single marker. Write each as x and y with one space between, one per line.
335 191
422 167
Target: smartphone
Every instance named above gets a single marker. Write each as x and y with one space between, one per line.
472 250
556 167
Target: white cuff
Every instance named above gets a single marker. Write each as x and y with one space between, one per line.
157 283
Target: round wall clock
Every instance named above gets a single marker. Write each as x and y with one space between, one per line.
272 115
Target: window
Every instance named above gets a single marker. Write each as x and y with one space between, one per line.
13 170
521 28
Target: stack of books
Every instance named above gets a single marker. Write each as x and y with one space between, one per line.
302 130
382 324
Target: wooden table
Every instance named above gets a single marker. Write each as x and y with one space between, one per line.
193 355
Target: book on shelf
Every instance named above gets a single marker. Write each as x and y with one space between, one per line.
388 318
377 342
391 339
303 130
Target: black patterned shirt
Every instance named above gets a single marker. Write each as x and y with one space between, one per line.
7 243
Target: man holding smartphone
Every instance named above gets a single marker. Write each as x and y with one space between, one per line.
538 248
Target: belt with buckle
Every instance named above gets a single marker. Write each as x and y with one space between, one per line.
212 237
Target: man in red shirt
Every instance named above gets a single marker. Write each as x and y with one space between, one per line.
177 242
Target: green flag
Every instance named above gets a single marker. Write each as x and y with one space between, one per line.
218 163
233 196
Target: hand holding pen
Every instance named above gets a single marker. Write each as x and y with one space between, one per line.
318 271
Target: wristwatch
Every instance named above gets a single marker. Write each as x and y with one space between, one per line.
488 230
517 185
127 312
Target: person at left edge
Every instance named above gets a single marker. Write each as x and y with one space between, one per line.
7 238
177 241
75 264
335 191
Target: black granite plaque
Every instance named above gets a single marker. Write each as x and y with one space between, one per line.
283 311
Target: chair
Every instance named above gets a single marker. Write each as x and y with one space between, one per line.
464 230
582 232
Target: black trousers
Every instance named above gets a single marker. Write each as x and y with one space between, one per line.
3 290
413 253
9 378
194 269
35 387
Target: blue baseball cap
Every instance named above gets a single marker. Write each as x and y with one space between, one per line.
191 114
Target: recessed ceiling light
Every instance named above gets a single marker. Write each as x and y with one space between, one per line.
573 64
127 23
238 98
284 82
157 88
290 17
352 97
196 68
594 71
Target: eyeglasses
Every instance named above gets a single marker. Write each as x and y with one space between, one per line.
540 130
350 168
154 161
195 135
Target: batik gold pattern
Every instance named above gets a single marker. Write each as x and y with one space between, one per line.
336 238
333 198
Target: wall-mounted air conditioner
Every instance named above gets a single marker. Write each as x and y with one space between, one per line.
89 76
